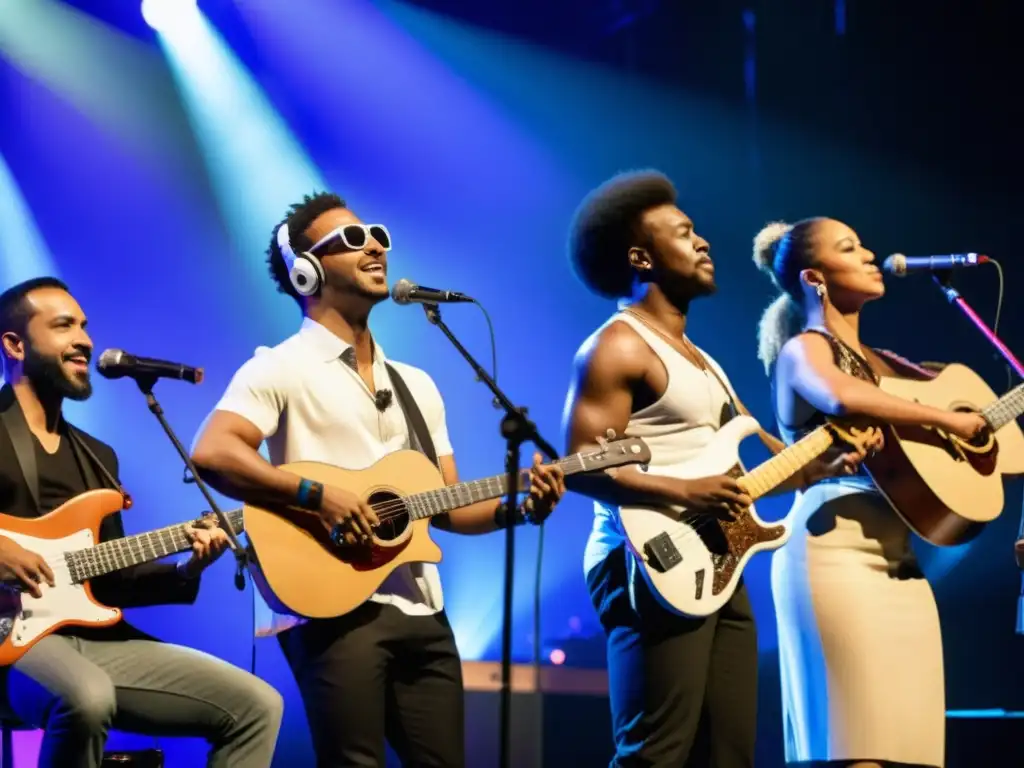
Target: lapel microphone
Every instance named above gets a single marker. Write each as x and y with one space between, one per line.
382 399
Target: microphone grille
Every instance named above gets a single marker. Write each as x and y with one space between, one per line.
109 361
402 291
896 265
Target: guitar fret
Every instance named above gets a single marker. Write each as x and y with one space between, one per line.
440 500
786 463
1006 409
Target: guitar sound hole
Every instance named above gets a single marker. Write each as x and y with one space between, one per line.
392 513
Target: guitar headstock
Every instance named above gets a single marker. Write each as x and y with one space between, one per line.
854 435
616 453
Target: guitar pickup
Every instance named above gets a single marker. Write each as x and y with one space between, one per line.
661 553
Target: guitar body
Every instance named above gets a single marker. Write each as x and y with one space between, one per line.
299 571
693 566
944 491
24 619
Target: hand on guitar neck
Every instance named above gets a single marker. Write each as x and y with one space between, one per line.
27 568
841 459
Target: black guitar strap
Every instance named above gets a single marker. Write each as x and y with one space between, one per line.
419 435
89 462
24 448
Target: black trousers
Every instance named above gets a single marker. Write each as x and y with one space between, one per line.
377 674
683 692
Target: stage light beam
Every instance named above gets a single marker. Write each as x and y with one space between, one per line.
255 165
164 15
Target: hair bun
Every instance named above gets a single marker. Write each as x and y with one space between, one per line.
766 243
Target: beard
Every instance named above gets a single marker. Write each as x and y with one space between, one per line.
49 377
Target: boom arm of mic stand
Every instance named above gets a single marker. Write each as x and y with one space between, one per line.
146 385
943 280
517 429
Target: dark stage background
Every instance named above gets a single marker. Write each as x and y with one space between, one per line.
147 168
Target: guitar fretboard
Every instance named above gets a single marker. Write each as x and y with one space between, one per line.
783 465
441 500
110 556
1006 408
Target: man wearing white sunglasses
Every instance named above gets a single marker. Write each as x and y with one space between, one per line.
390 668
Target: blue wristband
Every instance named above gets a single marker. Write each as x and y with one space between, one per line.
310 495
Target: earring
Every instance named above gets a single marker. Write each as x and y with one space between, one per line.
820 290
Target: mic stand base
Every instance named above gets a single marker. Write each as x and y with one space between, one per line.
517 429
241 558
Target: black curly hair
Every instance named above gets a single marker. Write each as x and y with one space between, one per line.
15 312
299 217
604 228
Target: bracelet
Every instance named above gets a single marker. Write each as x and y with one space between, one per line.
501 516
310 495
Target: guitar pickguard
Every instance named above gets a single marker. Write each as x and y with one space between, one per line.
24 618
728 541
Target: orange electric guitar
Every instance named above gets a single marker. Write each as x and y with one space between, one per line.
66 538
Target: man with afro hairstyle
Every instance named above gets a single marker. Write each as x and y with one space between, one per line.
388 670
670 678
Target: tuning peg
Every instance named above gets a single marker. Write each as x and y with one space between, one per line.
609 434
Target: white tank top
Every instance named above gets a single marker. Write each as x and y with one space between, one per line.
676 427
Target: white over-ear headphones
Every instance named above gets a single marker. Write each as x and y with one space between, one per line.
305 272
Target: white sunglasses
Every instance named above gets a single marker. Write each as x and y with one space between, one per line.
356 236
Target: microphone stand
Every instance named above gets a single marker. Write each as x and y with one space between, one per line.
146 384
943 279
517 429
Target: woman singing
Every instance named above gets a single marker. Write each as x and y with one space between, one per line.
859 643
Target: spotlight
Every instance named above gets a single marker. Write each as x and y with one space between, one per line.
162 14
557 656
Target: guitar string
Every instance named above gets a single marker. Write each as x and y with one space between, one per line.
394 508
696 521
802 446
390 509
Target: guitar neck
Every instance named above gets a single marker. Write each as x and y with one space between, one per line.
441 500
1006 408
783 465
141 548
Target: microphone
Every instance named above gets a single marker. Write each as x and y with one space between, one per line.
115 363
382 399
405 292
900 265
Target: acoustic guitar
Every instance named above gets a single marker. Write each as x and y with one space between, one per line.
66 539
300 571
944 488
693 559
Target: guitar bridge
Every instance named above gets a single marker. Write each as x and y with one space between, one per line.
661 553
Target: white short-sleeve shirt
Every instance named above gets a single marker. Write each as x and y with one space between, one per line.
309 402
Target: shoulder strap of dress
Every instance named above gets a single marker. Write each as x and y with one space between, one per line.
845 357
902 365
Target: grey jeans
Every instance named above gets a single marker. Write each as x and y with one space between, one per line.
78 689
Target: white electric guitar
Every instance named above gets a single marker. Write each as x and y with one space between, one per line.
693 560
